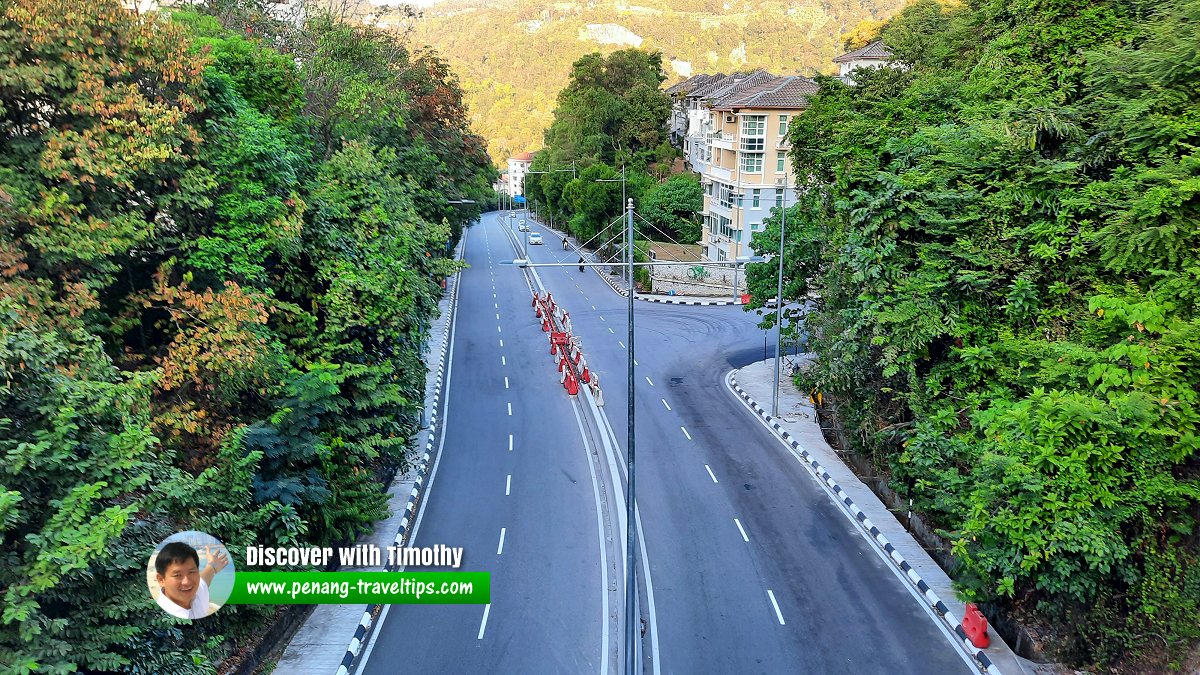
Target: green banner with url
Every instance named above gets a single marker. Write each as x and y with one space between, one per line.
353 588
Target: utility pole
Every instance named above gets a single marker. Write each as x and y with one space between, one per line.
631 604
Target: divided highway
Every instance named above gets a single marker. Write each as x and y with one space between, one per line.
753 568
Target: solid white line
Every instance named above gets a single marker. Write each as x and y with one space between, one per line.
648 380
710 473
483 624
776 604
507 485
503 361
739 524
510 442
500 547
685 433
665 403
506 382
510 408
600 535
621 343
437 462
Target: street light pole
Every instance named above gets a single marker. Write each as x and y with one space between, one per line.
779 307
631 605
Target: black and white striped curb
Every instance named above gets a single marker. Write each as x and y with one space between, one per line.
434 404
877 537
665 300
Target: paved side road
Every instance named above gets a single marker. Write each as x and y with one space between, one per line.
800 433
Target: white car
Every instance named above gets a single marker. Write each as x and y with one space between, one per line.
522 226
535 238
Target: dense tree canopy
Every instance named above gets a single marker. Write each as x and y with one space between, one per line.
611 116
221 245
1001 241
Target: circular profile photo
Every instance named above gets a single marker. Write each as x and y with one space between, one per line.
190 575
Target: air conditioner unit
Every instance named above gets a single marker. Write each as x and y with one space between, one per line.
729 119
780 182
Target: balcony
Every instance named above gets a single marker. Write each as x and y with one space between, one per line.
720 173
720 139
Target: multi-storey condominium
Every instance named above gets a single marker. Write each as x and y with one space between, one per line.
748 172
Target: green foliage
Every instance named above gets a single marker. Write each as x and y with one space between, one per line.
221 241
673 208
1001 239
611 114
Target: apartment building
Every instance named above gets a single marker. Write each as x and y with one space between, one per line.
517 167
691 118
748 172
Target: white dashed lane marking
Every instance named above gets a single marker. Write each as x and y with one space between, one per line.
776 605
668 406
739 524
483 624
685 433
710 473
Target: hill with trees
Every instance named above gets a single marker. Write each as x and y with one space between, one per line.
222 240
1001 243
513 56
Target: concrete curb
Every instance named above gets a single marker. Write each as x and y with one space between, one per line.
410 509
877 537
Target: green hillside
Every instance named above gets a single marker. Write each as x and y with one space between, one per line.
514 56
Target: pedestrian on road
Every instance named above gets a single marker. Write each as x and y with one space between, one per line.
581 264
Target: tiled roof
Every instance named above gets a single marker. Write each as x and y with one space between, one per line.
875 50
719 89
791 91
688 84
524 157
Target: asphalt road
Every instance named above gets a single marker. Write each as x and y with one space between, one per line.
754 570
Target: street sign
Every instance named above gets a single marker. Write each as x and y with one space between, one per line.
519 199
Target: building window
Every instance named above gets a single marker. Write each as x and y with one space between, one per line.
755 226
724 194
754 131
781 162
726 226
752 162
783 125
753 143
754 125
779 199
754 197
720 255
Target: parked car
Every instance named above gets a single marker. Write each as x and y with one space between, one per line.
535 238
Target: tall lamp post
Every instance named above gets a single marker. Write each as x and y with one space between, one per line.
779 305
631 607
